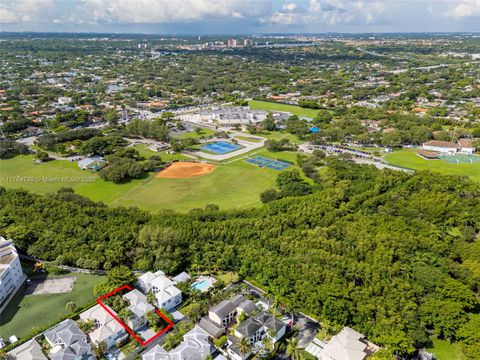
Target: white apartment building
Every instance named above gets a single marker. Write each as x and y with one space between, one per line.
167 296
11 274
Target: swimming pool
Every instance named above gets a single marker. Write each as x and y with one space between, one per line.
221 147
201 285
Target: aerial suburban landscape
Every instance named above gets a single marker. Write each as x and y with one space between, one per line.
239 180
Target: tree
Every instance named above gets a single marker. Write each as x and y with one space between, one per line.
71 306
269 195
124 314
10 148
41 156
244 346
116 277
111 116
269 123
292 349
151 298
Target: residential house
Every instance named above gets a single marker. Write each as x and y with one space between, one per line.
225 312
195 346
30 350
167 296
255 329
11 273
67 342
466 146
347 345
247 306
138 306
106 328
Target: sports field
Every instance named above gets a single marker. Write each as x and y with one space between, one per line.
182 170
408 158
270 106
233 184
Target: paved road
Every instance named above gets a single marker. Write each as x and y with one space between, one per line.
357 157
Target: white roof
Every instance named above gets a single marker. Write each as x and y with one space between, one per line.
345 346
31 350
195 346
97 313
138 303
103 332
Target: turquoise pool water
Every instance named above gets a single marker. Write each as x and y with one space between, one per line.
200 285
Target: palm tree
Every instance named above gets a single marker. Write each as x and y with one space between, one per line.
293 350
244 346
151 298
271 334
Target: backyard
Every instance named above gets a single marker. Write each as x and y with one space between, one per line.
25 313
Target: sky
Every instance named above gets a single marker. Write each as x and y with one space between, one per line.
240 16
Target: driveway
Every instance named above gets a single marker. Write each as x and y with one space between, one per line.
307 329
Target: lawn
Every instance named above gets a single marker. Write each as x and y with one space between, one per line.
279 135
233 184
24 313
42 178
409 159
247 138
194 135
271 106
444 350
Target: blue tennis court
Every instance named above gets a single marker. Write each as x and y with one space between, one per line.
268 163
221 147
461 158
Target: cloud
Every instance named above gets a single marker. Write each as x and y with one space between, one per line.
466 8
330 12
20 11
161 11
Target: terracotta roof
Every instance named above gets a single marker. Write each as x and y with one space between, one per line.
428 154
465 143
443 144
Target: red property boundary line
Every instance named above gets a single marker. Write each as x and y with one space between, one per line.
126 327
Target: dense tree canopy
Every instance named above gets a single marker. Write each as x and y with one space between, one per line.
392 254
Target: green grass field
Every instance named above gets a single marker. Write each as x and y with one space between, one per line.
248 138
408 158
444 350
24 313
194 135
270 106
233 183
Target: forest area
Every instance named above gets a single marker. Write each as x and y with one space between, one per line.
394 255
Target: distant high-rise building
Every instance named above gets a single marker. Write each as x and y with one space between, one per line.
232 43
11 274
247 42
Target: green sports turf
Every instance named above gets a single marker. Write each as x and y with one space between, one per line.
39 178
24 313
271 106
408 158
233 183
